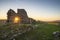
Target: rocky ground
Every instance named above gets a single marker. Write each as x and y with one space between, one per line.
29 32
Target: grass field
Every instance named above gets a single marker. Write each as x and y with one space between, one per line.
39 32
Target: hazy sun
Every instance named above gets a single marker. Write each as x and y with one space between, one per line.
16 19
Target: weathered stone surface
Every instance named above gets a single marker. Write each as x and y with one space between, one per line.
56 35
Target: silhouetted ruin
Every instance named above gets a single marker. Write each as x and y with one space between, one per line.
21 14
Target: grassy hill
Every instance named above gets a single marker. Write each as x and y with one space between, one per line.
40 31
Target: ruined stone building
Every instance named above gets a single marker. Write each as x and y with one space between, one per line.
19 17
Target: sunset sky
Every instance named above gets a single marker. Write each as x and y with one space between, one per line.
45 10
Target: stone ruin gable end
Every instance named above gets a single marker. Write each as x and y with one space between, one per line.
10 15
21 13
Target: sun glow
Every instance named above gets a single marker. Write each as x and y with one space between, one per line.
16 19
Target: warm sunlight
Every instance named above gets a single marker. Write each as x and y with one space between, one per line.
16 19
